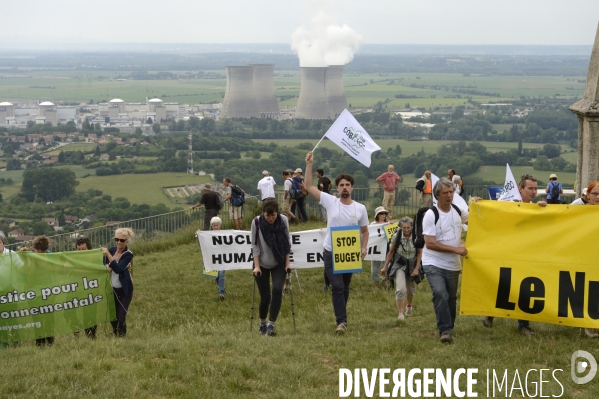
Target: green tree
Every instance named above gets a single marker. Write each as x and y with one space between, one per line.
156 128
48 184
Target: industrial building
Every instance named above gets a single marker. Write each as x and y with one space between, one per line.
250 92
7 113
335 91
322 94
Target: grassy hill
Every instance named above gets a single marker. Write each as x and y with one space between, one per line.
183 342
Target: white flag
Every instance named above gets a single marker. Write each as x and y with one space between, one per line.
457 200
348 134
510 190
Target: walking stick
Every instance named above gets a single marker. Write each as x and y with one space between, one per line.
292 303
252 308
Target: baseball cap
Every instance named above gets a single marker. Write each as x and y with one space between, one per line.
298 170
265 172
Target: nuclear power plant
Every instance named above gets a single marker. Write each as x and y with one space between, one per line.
250 92
322 95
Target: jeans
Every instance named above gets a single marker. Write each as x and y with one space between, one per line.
263 282
122 302
301 204
340 288
375 270
323 213
220 280
444 284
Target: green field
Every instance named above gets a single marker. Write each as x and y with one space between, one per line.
64 86
140 188
182 342
497 174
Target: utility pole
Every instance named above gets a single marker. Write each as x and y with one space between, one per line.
190 156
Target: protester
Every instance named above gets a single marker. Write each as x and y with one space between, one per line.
380 217
401 249
583 200
456 180
84 244
300 202
235 212
8 276
270 249
215 224
211 204
287 196
40 246
324 185
266 186
441 255
341 211
424 186
528 191
119 262
593 199
554 190
389 181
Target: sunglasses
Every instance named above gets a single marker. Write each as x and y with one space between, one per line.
120 239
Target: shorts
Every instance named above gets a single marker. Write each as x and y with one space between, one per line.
286 205
235 212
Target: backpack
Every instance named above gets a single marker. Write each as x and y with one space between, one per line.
417 236
237 196
297 191
554 190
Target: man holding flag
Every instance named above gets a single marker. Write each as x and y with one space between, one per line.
341 211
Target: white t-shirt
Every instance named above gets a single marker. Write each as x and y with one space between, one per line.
578 201
339 214
267 187
447 231
287 186
456 186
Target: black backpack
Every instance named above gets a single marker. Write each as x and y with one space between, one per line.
554 190
237 196
417 230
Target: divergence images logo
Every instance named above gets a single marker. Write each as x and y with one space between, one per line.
579 367
355 137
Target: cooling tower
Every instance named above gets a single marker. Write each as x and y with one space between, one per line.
335 91
240 100
312 102
264 89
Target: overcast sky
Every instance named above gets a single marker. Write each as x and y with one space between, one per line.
273 21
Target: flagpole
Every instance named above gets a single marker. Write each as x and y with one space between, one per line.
319 142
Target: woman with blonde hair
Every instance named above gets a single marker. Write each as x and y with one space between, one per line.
118 261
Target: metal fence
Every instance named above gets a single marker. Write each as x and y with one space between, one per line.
164 227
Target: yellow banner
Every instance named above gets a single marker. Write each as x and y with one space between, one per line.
347 249
206 273
390 229
532 263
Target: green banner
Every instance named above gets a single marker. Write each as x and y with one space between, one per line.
44 295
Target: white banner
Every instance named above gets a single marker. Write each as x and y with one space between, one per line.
232 249
348 134
510 190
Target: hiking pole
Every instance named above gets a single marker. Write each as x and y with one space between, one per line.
292 303
297 277
252 308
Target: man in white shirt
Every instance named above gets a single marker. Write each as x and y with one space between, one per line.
442 231
341 211
266 186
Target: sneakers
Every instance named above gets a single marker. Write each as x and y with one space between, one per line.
446 338
401 317
527 331
325 288
341 329
262 329
591 333
270 330
488 321
409 311
221 297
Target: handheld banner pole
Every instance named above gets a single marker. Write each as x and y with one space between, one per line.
252 308
319 142
292 303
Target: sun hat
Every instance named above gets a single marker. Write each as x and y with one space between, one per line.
380 209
